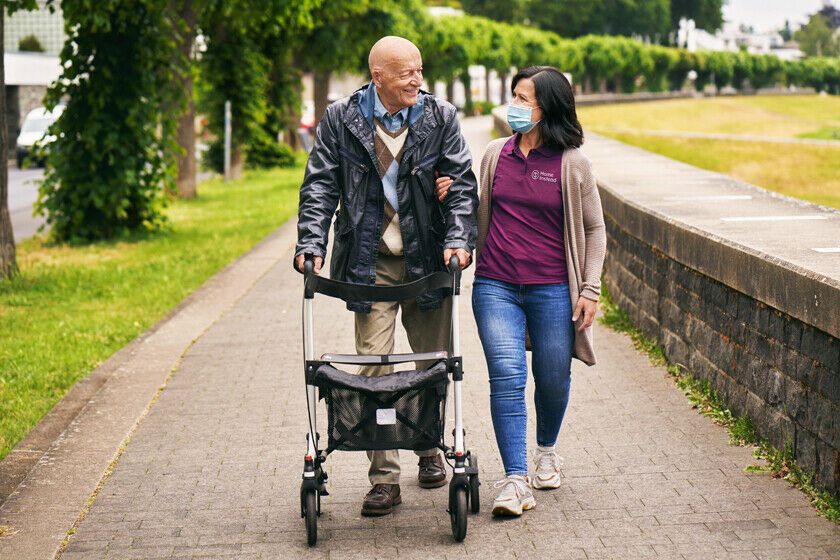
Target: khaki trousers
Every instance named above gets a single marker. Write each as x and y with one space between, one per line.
427 331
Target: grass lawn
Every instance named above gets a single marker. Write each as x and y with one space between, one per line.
810 172
72 307
803 116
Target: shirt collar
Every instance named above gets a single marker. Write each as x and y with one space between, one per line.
511 147
392 122
367 98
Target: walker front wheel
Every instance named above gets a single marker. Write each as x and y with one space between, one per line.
458 513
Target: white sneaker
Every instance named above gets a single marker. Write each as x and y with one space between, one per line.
547 473
515 497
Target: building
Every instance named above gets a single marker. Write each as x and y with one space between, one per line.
46 26
734 38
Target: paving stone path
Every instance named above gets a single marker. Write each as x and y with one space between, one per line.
213 470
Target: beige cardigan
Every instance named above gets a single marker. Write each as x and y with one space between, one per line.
584 232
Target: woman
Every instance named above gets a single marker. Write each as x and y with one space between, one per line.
541 245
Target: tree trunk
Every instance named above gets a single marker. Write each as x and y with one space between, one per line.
487 84
237 162
320 92
8 263
503 91
185 135
468 100
450 90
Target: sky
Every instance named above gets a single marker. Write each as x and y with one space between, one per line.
765 15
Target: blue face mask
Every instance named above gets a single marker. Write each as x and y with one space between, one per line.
519 118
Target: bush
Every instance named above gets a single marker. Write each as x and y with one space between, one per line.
30 43
264 152
483 107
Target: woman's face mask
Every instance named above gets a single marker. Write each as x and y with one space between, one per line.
519 118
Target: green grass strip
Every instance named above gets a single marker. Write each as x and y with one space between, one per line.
71 307
778 463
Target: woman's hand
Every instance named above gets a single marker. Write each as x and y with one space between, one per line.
588 307
442 185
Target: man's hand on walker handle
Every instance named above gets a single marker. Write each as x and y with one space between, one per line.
588 307
463 257
317 262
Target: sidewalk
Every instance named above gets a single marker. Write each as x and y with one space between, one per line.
213 469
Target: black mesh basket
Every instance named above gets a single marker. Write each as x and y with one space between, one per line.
402 410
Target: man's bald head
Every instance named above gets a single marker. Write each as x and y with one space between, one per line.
390 50
397 71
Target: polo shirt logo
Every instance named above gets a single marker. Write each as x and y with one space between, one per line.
544 176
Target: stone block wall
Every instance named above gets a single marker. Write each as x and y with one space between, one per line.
780 371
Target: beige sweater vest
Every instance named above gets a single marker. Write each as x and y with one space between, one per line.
585 235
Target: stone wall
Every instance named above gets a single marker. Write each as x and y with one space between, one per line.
782 372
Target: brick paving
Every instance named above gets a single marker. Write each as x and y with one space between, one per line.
213 470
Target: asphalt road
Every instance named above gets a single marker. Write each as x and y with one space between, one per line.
23 191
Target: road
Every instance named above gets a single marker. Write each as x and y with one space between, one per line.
23 191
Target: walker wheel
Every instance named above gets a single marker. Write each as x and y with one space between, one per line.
311 514
458 514
475 504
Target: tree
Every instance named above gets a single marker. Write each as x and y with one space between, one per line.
8 260
185 19
511 11
249 62
111 161
816 38
786 32
707 14
575 18
341 39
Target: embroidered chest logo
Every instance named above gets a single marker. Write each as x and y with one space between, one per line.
544 176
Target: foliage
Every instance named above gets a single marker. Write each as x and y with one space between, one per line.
266 152
576 18
30 43
112 155
510 11
707 14
817 38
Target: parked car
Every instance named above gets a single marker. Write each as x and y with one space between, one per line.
34 129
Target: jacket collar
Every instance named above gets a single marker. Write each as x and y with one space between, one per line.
367 104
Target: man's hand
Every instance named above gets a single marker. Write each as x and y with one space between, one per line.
317 261
588 307
442 185
463 257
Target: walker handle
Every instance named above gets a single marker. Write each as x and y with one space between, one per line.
455 271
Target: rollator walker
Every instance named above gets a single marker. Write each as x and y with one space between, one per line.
401 410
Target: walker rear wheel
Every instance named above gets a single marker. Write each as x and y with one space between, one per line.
311 514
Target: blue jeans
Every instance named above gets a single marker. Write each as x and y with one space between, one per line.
501 310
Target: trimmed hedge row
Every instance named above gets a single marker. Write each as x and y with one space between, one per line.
608 63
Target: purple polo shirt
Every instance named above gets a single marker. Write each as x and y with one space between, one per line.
525 242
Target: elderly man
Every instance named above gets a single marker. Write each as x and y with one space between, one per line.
377 153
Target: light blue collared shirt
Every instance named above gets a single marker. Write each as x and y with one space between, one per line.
392 122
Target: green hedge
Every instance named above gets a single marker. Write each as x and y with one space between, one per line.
613 63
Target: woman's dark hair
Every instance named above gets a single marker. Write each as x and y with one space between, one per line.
560 126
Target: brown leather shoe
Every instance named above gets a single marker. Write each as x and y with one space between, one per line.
432 474
381 499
